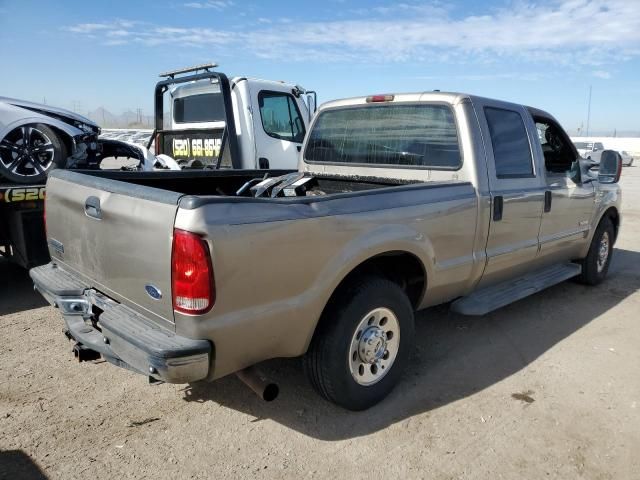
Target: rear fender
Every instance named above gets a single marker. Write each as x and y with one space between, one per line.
384 239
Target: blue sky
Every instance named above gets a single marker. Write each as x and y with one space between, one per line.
545 53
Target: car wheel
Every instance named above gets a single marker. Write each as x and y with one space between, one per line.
29 152
362 344
596 264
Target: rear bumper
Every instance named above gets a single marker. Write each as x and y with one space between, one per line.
121 335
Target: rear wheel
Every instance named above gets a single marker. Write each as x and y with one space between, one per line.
596 264
362 345
28 153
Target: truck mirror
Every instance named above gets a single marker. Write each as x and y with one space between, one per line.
610 167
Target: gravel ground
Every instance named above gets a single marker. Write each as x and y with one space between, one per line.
547 387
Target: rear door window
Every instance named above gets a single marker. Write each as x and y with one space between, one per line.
511 148
418 135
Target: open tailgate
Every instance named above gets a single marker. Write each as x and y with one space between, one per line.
116 236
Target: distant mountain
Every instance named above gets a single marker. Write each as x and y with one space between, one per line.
128 119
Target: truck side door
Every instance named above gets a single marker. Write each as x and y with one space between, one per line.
279 128
516 189
569 203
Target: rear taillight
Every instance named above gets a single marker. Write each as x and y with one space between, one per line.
192 282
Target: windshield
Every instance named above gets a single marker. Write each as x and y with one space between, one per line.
582 145
204 107
420 135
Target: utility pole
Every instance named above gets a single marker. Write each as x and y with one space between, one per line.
589 111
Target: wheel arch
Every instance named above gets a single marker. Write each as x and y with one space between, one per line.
67 131
402 267
614 215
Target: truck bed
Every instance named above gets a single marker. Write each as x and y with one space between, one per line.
224 183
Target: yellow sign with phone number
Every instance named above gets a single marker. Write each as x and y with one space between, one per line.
196 147
28 194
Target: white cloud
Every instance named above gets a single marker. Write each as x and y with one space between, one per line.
602 74
87 27
521 76
215 4
116 42
555 32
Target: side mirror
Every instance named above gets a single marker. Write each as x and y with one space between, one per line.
610 167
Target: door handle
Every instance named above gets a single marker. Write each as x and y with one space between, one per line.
263 163
547 201
92 208
498 203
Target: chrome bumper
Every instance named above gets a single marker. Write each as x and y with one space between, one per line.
121 335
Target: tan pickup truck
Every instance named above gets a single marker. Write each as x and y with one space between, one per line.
400 202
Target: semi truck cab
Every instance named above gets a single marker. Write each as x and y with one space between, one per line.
196 114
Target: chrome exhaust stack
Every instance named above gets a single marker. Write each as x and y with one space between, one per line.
266 390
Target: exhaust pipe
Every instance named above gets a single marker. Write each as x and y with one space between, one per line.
262 387
84 354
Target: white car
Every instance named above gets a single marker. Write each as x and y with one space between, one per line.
35 139
590 150
627 159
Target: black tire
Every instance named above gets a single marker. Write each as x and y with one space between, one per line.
29 152
594 270
327 362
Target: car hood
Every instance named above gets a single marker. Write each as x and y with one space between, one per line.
66 115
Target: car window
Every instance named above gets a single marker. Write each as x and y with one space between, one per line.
599 146
205 107
511 149
280 116
420 135
558 154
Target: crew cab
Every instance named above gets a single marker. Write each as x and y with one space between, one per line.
400 202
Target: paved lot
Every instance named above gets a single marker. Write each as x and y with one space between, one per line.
545 388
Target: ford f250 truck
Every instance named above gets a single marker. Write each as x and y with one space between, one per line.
400 202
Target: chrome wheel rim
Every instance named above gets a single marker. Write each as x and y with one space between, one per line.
374 346
27 151
603 252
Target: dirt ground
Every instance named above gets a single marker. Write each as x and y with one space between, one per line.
548 387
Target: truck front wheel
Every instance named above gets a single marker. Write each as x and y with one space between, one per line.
362 344
596 264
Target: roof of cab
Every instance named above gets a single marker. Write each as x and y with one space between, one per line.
264 82
448 97
452 98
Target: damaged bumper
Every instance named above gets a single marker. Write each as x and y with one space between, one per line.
122 336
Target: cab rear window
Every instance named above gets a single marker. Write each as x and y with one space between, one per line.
205 107
414 135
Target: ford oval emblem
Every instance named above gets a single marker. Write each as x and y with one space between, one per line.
153 292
